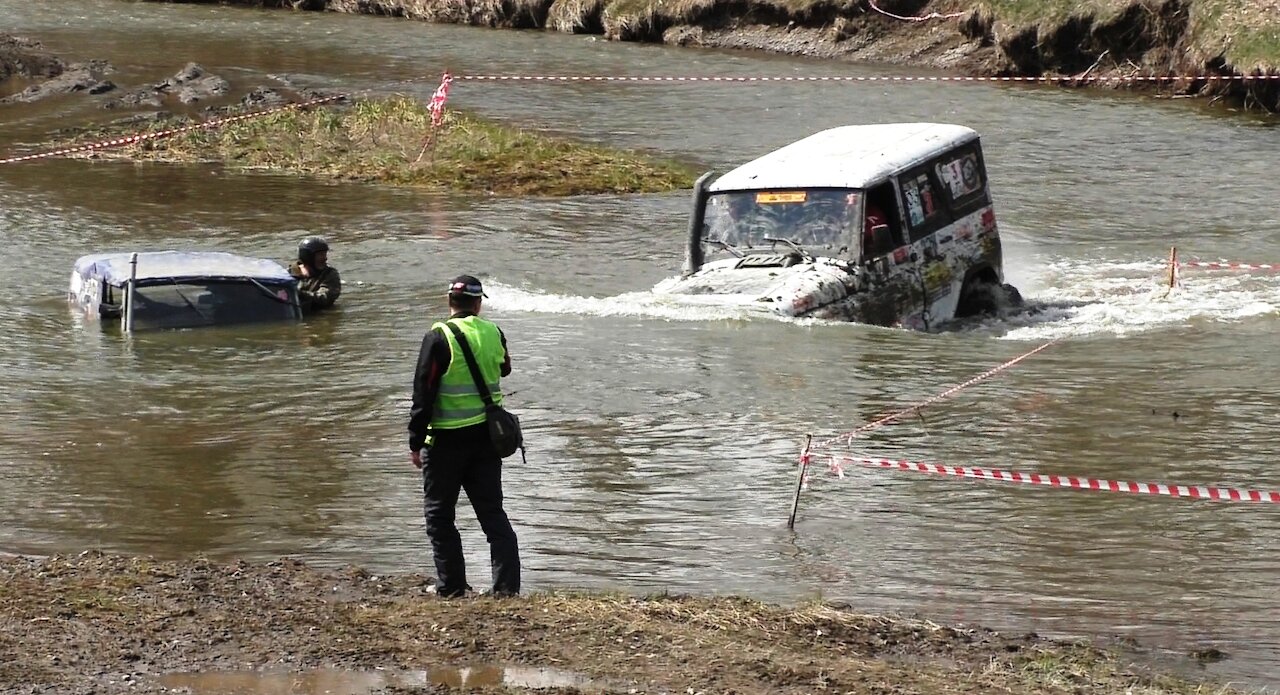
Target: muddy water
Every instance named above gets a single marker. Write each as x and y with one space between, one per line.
663 437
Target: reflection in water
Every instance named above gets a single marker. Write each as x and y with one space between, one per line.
661 451
340 682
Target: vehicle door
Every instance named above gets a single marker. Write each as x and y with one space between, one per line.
885 254
971 239
927 259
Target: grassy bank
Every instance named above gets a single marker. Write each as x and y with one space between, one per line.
1242 34
1245 32
107 624
380 141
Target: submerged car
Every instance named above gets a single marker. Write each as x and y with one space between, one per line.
182 289
889 224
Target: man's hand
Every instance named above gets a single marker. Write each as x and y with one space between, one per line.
415 457
304 270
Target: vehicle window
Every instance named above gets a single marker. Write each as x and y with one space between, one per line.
881 209
813 218
192 304
960 174
963 179
922 204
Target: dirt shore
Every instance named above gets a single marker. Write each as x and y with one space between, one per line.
107 624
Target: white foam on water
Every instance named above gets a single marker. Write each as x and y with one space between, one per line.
647 304
1063 298
1081 298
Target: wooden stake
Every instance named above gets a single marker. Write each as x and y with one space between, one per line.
1173 270
804 469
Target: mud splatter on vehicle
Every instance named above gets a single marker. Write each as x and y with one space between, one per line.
889 224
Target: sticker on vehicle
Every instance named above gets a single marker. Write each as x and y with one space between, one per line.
770 197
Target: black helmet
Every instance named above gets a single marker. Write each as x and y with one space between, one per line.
309 247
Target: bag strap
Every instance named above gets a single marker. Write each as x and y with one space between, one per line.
482 387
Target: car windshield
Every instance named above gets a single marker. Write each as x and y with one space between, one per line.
813 218
190 303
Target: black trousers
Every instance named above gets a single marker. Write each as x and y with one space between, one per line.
457 460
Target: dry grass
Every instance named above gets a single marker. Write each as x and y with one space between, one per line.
572 15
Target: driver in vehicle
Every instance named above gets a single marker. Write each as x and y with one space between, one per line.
874 219
318 282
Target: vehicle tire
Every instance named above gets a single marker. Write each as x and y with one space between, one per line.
1012 297
978 299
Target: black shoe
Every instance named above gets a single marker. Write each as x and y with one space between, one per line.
457 593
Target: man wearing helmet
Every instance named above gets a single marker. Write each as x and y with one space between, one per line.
318 282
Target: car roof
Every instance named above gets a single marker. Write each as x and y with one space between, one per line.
855 156
114 269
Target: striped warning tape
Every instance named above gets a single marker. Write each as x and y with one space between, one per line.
867 78
1230 265
890 417
144 137
1190 491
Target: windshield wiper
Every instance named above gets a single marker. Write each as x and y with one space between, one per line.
178 288
724 245
271 294
797 247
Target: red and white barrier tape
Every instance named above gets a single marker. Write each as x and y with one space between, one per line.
925 18
1189 491
886 419
1229 265
144 137
865 78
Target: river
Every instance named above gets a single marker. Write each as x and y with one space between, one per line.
663 438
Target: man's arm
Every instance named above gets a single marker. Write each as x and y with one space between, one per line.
433 362
506 354
329 287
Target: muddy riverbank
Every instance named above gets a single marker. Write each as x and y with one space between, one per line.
108 624
1103 42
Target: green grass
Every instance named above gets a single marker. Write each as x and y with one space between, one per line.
1246 32
381 141
1048 12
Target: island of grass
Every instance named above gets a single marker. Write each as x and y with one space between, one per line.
391 141
109 624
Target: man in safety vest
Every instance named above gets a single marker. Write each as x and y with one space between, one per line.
449 411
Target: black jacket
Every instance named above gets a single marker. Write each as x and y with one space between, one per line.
320 290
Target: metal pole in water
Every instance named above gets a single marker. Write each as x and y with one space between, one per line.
128 296
804 469
1173 267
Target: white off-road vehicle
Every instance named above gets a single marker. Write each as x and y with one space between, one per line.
888 224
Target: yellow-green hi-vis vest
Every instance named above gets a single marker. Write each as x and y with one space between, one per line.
458 404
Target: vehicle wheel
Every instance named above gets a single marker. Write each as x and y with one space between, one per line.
1012 297
978 299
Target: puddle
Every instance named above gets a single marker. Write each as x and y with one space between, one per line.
343 682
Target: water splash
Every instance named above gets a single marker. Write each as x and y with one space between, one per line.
647 304
1070 298
1080 298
